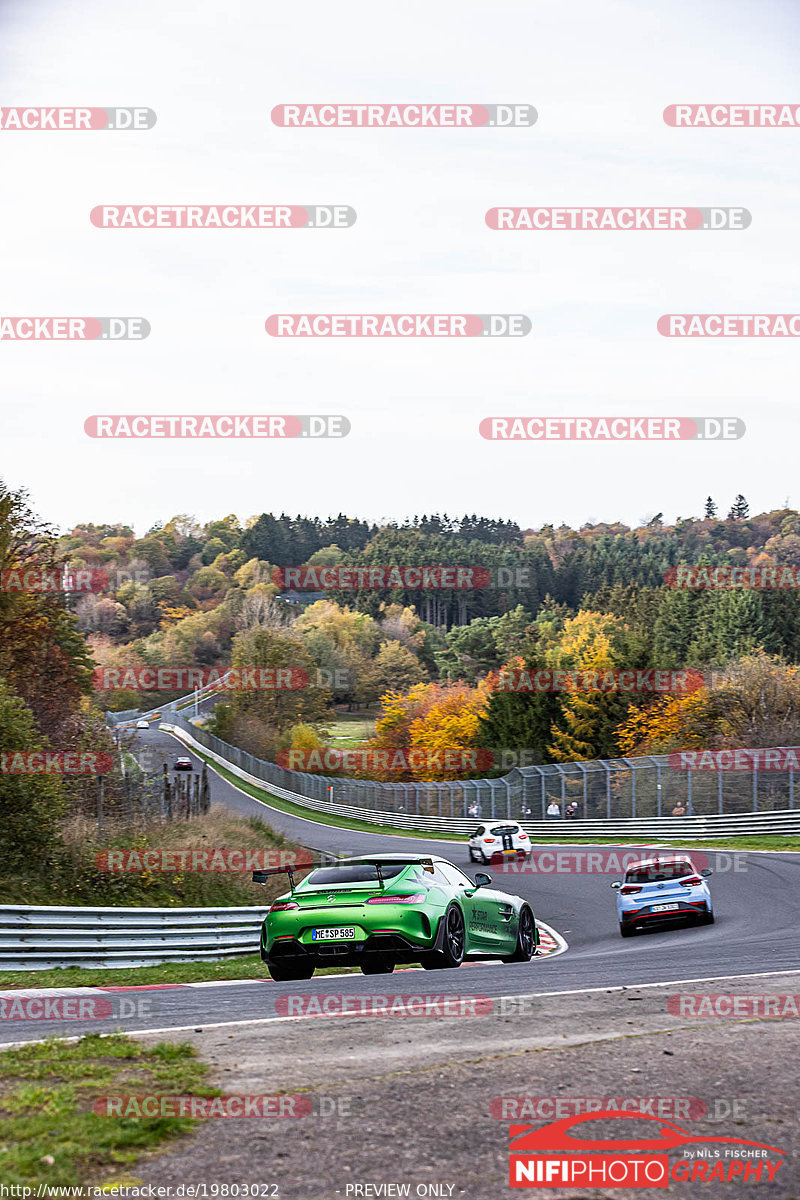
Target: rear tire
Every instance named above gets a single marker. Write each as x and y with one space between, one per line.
626 930
288 971
453 943
526 938
374 965
707 917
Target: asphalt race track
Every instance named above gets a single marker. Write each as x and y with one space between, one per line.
756 899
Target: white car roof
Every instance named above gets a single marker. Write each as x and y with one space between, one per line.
660 861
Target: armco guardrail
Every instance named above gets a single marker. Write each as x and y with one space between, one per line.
780 821
38 937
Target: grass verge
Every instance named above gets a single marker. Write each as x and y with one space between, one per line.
73 873
49 1131
249 967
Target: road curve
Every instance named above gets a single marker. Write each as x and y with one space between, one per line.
756 900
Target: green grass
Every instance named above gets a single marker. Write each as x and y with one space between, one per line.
73 876
349 730
46 1107
756 842
249 967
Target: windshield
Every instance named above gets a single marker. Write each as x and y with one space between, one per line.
352 873
658 872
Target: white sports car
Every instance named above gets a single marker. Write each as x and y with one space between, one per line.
498 840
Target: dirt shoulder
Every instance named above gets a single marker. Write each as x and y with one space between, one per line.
411 1100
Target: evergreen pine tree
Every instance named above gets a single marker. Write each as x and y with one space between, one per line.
711 508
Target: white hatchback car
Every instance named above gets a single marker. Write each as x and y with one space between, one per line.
498 840
142 724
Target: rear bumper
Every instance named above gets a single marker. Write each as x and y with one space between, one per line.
645 916
395 945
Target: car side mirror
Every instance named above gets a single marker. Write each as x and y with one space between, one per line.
706 873
616 884
482 880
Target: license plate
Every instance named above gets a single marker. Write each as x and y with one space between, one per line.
664 907
346 932
509 852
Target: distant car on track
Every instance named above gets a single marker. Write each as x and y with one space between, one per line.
142 725
182 764
375 912
656 890
498 839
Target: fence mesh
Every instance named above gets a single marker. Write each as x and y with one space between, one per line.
612 789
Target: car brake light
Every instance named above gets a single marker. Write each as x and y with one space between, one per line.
629 889
282 905
691 881
490 839
415 898
523 837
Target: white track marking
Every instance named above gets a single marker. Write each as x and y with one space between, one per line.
204 1026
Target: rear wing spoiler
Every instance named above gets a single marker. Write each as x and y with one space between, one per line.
263 876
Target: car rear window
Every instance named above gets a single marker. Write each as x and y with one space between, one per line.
659 872
498 829
353 873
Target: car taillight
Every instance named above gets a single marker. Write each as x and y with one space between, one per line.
282 905
629 889
488 839
415 898
691 881
523 837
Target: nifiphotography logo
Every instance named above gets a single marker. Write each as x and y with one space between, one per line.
550 1156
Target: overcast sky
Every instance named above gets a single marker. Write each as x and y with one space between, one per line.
599 76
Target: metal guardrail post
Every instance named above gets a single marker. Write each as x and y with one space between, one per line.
582 770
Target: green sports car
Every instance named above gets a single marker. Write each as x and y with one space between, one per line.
377 911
